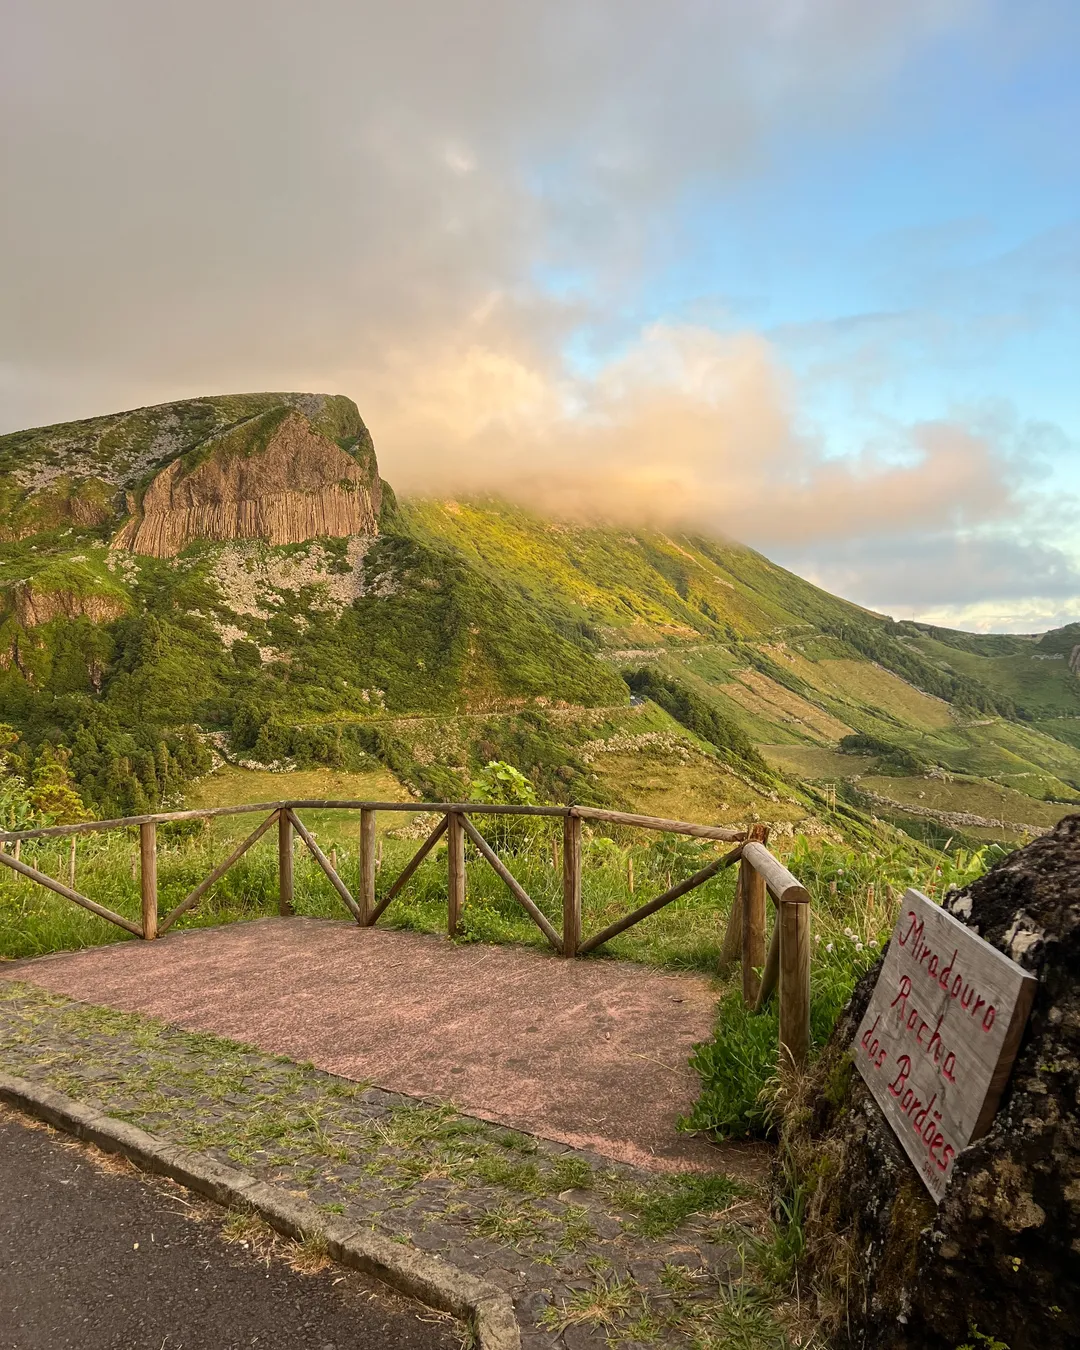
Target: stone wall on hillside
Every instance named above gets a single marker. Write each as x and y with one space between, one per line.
1000 1257
299 486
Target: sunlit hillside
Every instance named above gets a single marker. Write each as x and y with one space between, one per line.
229 580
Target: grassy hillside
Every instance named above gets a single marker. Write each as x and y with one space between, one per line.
796 667
673 672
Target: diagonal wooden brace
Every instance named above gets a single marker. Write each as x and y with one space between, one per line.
193 897
512 882
324 862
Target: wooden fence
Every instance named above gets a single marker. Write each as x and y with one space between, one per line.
784 968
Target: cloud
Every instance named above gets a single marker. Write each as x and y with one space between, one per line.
687 427
1032 616
925 573
362 197
255 193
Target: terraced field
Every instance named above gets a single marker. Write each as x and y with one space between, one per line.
865 686
783 705
969 796
816 763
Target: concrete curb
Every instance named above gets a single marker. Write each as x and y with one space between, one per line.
414 1273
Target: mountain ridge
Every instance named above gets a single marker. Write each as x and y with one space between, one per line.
295 608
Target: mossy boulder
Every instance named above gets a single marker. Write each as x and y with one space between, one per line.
998 1262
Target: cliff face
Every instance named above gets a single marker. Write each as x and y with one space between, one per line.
33 607
279 480
279 467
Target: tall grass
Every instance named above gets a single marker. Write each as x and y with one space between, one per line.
617 875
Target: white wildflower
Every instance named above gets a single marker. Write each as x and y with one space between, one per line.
828 946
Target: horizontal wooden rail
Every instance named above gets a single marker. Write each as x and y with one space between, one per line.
782 885
724 833
161 818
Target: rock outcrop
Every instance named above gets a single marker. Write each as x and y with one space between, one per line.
1000 1257
33 607
277 479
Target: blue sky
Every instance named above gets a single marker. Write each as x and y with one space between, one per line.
918 262
806 273
939 237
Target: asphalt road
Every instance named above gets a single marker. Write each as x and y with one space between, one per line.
102 1261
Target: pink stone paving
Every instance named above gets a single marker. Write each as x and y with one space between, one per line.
590 1053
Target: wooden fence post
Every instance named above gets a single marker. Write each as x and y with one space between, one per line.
148 878
285 864
366 898
751 892
71 863
571 883
455 859
794 921
731 951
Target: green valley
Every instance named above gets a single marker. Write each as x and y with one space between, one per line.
228 580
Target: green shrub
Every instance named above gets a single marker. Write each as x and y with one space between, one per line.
894 758
735 1069
500 783
695 713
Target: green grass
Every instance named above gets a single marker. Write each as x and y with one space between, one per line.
855 898
1045 688
975 796
659 1211
815 762
685 935
705 1313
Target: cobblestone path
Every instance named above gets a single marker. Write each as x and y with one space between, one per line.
594 1253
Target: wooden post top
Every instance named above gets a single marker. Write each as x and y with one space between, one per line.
783 887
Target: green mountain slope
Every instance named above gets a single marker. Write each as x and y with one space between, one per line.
230 575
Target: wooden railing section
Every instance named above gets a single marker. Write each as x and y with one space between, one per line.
783 968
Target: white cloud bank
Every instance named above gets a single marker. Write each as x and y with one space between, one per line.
362 197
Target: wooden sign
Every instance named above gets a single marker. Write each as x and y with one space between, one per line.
939 1038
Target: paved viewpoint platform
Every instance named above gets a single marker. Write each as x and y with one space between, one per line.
589 1053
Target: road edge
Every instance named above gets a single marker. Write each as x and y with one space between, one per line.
415 1273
